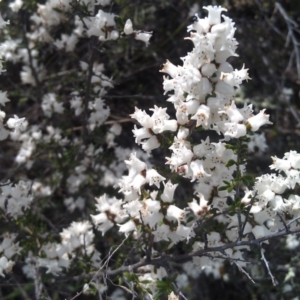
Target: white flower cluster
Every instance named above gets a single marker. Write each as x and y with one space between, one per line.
7 250
100 24
14 199
269 200
78 238
89 110
204 89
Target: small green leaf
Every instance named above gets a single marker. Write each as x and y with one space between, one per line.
230 163
222 188
229 189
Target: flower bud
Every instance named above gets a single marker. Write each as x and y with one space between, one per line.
128 27
208 70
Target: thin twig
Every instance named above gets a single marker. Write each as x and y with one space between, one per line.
244 272
291 27
103 265
267 265
283 222
248 212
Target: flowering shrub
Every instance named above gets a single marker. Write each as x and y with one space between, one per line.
227 214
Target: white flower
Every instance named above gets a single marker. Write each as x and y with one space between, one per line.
202 115
168 194
101 25
292 242
142 117
224 88
161 233
257 142
198 170
233 113
143 36
3 132
141 134
235 130
15 123
182 133
170 69
201 208
255 122
154 178
150 144
280 164
128 27
294 159
5 265
214 14
135 164
174 212
2 22
16 5
3 98
127 227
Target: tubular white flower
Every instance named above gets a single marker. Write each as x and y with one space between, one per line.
141 134
254 123
280 164
185 232
5 265
143 36
294 159
168 194
2 22
181 115
198 170
222 55
153 177
127 227
150 144
15 123
233 113
202 115
182 133
224 88
128 27
142 117
174 212
199 208
135 164
235 130
214 14
170 69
